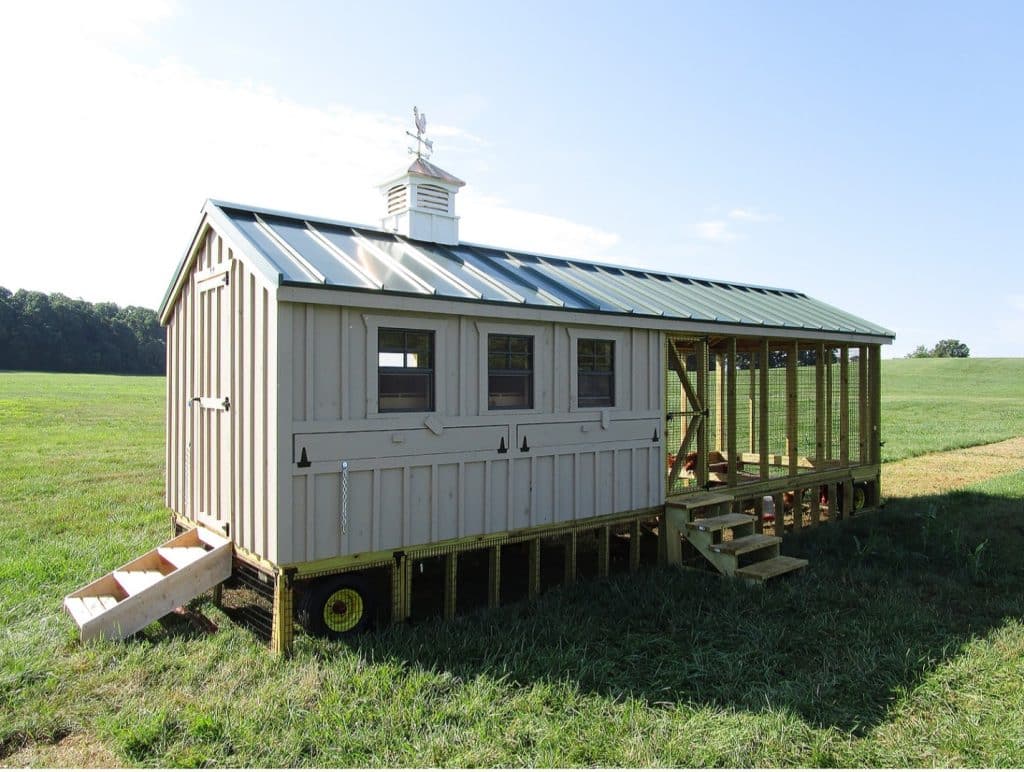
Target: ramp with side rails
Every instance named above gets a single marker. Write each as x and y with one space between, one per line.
149 587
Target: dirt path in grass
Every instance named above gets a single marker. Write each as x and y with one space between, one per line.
952 469
75 750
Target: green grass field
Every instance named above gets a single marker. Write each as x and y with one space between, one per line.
945 404
901 645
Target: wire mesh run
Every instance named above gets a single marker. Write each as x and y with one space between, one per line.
248 599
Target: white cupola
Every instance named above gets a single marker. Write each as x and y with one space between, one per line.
420 200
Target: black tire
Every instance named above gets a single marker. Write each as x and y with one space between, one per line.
860 496
337 607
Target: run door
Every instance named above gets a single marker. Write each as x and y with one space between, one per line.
686 412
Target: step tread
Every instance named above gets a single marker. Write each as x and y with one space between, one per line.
180 557
695 501
730 520
766 569
135 582
745 544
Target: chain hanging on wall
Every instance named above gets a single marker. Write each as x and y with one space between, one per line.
344 497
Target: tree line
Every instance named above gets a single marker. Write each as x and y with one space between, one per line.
57 334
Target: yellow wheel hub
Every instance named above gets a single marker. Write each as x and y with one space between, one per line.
343 610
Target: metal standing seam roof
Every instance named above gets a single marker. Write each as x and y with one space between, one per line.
309 251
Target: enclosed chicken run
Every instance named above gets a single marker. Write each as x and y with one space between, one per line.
388 423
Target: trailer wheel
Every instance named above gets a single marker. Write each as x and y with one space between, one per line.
860 496
338 607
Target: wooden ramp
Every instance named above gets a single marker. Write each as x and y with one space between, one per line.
126 600
726 538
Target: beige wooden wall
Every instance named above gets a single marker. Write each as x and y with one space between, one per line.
221 342
410 483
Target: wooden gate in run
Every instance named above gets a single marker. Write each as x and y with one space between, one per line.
686 413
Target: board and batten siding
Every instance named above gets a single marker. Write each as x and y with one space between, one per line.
417 478
221 344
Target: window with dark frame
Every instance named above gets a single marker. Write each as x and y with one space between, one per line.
595 372
405 371
509 372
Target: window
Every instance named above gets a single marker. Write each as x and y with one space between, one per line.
509 372
405 371
595 369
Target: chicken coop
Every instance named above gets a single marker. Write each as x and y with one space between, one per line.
362 411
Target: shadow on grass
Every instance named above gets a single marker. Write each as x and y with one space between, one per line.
887 597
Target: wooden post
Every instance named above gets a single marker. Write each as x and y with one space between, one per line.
732 452
798 509
570 558
670 548
829 405
816 505
847 502
407 589
875 390
792 449
844 406
701 470
763 409
780 514
862 407
719 401
604 533
634 544
751 401
451 575
282 628
820 414
494 577
399 567
533 566
834 514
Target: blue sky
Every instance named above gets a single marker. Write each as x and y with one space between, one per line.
867 154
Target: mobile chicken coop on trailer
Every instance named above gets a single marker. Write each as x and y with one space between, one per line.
346 405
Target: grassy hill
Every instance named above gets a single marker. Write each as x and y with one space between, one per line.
944 404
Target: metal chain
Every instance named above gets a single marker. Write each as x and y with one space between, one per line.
344 496
188 479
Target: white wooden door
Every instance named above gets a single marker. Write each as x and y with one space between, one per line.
212 445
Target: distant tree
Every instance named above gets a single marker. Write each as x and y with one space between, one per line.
951 348
56 333
919 353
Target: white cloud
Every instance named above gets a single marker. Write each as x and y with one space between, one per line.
109 160
751 215
723 230
714 230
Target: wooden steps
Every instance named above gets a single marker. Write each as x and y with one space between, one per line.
129 598
745 544
730 520
768 569
725 538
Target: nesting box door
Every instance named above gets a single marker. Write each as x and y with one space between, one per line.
212 408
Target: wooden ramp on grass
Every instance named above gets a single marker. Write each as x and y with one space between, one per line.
126 600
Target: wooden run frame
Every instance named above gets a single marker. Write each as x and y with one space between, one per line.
825 464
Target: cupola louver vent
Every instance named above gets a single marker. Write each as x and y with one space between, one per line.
432 197
397 198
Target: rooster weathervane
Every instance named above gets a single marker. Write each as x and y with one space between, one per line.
421 141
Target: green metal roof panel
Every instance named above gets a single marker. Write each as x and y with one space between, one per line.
302 250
